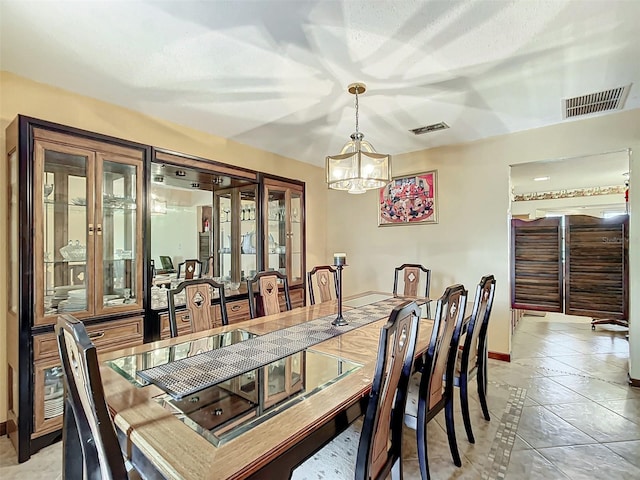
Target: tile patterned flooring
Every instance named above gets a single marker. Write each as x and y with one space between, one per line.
561 409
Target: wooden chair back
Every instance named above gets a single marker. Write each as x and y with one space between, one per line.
198 297
443 346
475 342
190 269
93 434
411 273
381 438
263 291
326 281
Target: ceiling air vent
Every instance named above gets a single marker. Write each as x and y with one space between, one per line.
595 102
430 128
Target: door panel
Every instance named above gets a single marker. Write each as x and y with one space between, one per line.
597 278
536 263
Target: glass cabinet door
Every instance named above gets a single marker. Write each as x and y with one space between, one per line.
118 222
284 220
63 248
249 239
276 232
295 237
48 397
236 237
222 242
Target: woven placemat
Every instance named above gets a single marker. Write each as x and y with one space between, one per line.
190 375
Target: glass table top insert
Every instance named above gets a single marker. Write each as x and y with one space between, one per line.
129 365
230 408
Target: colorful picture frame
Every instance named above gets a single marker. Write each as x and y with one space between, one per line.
409 200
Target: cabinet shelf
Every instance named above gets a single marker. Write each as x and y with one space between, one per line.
64 204
69 262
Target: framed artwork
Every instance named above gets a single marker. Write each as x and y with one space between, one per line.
409 200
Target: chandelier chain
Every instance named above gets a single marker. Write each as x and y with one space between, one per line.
357 131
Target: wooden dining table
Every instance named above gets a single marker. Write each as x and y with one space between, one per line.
162 446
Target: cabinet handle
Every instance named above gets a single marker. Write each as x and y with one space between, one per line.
185 318
235 308
99 229
96 335
91 229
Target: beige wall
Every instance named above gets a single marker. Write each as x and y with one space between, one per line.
21 96
471 239
472 236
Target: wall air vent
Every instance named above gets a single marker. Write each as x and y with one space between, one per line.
430 128
595 102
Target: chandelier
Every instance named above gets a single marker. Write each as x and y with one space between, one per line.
358 168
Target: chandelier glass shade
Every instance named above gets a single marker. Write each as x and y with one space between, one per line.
358 167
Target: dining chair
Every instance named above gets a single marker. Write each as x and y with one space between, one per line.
263 293
191 268
198 297
428 393
379 449
411 279
90 445
326 276
473 360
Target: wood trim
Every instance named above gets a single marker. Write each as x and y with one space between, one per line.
503 357
284 184
202 163
277 181
95 145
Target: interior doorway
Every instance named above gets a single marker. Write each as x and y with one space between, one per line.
590 185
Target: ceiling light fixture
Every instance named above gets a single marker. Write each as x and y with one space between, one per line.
358 168
195 185
180 173
540 179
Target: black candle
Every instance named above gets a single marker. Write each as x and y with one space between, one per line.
339 258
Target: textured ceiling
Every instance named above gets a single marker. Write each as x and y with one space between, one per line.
273 74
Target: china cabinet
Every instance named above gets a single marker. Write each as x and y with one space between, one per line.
236 242
89 215
75 234
283 213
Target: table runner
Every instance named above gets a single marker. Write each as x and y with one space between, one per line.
193 374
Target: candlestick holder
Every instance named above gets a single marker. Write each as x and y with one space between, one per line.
339 320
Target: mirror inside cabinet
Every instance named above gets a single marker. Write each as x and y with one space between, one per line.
206 216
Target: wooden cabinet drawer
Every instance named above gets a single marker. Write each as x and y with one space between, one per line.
297 298
237 311
105 336
184 324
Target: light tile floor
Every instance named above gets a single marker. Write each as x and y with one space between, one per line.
561 409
